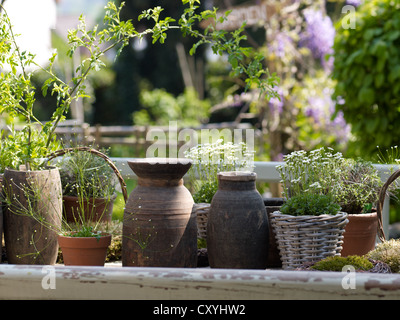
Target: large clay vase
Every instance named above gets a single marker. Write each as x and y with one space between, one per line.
32 215
360 234
237 229
159 228
84 251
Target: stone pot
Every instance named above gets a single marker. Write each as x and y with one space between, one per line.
32 215
360 234
159 228
84 251
237 229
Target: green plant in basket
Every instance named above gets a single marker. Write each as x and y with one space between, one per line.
310 204
317 172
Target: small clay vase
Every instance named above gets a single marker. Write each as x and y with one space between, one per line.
237 228
159 228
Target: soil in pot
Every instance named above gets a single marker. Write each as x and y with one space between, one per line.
84 251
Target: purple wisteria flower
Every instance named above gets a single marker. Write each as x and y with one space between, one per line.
280 44
318 36
276 104
322 108
354 3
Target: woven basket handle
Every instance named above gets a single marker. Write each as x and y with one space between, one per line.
381 200
99 154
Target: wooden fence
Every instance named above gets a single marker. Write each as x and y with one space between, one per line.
140 138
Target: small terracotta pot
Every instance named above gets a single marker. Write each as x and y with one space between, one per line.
360 234
84 251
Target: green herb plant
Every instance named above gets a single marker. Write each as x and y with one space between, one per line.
316 172
30 145
360 186
309 204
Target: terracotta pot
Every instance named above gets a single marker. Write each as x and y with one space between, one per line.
237 229
84 251
360 234
274 259
32 195
97 209
159 228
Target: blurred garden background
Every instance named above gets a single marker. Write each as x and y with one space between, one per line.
337 60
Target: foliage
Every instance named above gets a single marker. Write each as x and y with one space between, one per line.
317 171
367 69
298 48
211 158
18 93
86 175
388 252
337 263
353 184
160 107
360 187
309 204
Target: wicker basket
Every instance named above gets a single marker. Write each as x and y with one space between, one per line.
382 195
201 210
97 153
304 239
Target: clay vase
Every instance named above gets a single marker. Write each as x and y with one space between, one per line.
237 228
159 228
32 215
360 234
95 209
84 251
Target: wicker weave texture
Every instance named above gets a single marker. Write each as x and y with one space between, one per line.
304 239
201 210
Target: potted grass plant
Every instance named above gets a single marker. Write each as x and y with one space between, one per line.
309 226
88 178
87 182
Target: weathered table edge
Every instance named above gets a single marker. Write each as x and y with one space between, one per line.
134 283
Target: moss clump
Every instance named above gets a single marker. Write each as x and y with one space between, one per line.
388 252
337 263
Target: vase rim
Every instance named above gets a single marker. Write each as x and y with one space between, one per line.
237 175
